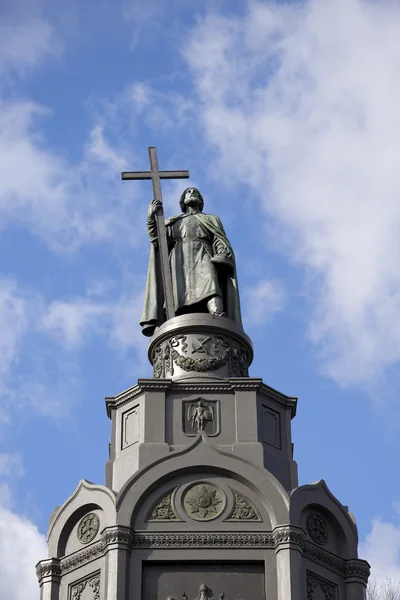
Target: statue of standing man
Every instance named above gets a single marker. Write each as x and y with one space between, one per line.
202 264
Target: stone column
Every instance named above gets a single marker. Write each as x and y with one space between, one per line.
357 573
118 543
289 554
247 444
153 435
49 576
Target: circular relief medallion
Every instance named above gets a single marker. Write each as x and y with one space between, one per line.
317 528
203 501
88 528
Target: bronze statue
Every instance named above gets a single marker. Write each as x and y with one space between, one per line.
204 594
202 265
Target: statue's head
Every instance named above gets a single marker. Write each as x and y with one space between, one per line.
203 591
190 197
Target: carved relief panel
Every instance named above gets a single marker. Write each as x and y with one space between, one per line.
201 415
194 353
319 588
203 501
207 581
86 589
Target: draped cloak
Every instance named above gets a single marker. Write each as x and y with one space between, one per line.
193 238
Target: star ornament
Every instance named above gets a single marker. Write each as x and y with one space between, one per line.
203 501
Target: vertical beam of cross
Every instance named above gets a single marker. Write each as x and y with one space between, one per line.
155 175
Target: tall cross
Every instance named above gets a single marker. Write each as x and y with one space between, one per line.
155 175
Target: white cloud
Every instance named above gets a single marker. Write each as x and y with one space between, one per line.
381 548
13 323
11 465
263 301
301 101
21 547
25 44
100 150
49 379
60 202
5 495
73 322
70 322
21 544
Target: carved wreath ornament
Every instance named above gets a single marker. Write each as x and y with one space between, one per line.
317 528
217 352
88 528
203 502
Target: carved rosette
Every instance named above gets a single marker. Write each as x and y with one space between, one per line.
203 501
88 528
317 528
200 344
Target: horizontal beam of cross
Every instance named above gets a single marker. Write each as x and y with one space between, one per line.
161 174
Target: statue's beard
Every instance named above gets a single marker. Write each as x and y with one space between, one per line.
192 202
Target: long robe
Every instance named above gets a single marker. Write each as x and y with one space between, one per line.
192 239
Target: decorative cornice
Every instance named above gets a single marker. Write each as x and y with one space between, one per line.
127 539
194 387
69 563
111 535
287 534
358 568
49 567
347 568
324 557
117 535
224 386
142 385
290 401
203 540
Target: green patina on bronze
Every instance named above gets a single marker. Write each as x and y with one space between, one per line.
201 260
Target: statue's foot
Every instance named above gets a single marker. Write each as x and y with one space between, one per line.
215 307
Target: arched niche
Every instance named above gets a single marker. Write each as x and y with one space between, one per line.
325 520
87 499
202 461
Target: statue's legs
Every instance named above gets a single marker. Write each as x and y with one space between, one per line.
215 306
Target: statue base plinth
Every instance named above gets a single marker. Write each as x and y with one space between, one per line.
200 345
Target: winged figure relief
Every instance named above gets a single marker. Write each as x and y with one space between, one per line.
199 413
204 594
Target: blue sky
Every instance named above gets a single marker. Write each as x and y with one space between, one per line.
286 115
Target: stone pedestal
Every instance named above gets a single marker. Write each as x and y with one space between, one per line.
200 346
202 497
